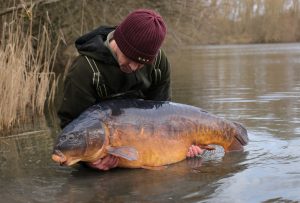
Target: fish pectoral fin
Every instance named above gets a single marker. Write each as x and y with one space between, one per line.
155 168
129 153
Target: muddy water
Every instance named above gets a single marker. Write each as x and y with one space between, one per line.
257 85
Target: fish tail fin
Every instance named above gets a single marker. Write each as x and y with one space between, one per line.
234 146
241 139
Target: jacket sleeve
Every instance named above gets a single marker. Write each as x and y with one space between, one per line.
78 93
161 87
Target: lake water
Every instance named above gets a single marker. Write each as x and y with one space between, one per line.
256 85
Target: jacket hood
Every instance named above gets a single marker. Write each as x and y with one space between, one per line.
92 45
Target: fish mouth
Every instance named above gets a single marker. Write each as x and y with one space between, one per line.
59 157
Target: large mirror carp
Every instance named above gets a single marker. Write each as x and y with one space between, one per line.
143 133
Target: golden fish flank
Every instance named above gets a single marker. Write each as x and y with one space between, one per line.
144 134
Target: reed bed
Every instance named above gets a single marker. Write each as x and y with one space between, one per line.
26 77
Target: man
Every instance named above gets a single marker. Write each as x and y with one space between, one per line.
119 62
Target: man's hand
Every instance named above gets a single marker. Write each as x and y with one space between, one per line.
105 164
194 151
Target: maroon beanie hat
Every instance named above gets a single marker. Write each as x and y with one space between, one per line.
140 35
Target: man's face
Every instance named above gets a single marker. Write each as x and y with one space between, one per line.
126 65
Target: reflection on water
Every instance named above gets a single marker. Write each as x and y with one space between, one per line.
257 85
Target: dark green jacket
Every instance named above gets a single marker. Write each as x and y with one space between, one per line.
95 75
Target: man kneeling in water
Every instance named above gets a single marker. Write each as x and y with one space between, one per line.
124 61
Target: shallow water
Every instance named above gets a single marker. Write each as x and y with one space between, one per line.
256 85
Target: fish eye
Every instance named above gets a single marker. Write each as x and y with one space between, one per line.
71 137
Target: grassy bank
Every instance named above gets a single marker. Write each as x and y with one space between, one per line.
26 79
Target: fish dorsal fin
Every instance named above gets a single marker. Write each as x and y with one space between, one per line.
129 153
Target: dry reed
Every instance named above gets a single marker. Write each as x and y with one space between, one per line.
26 64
